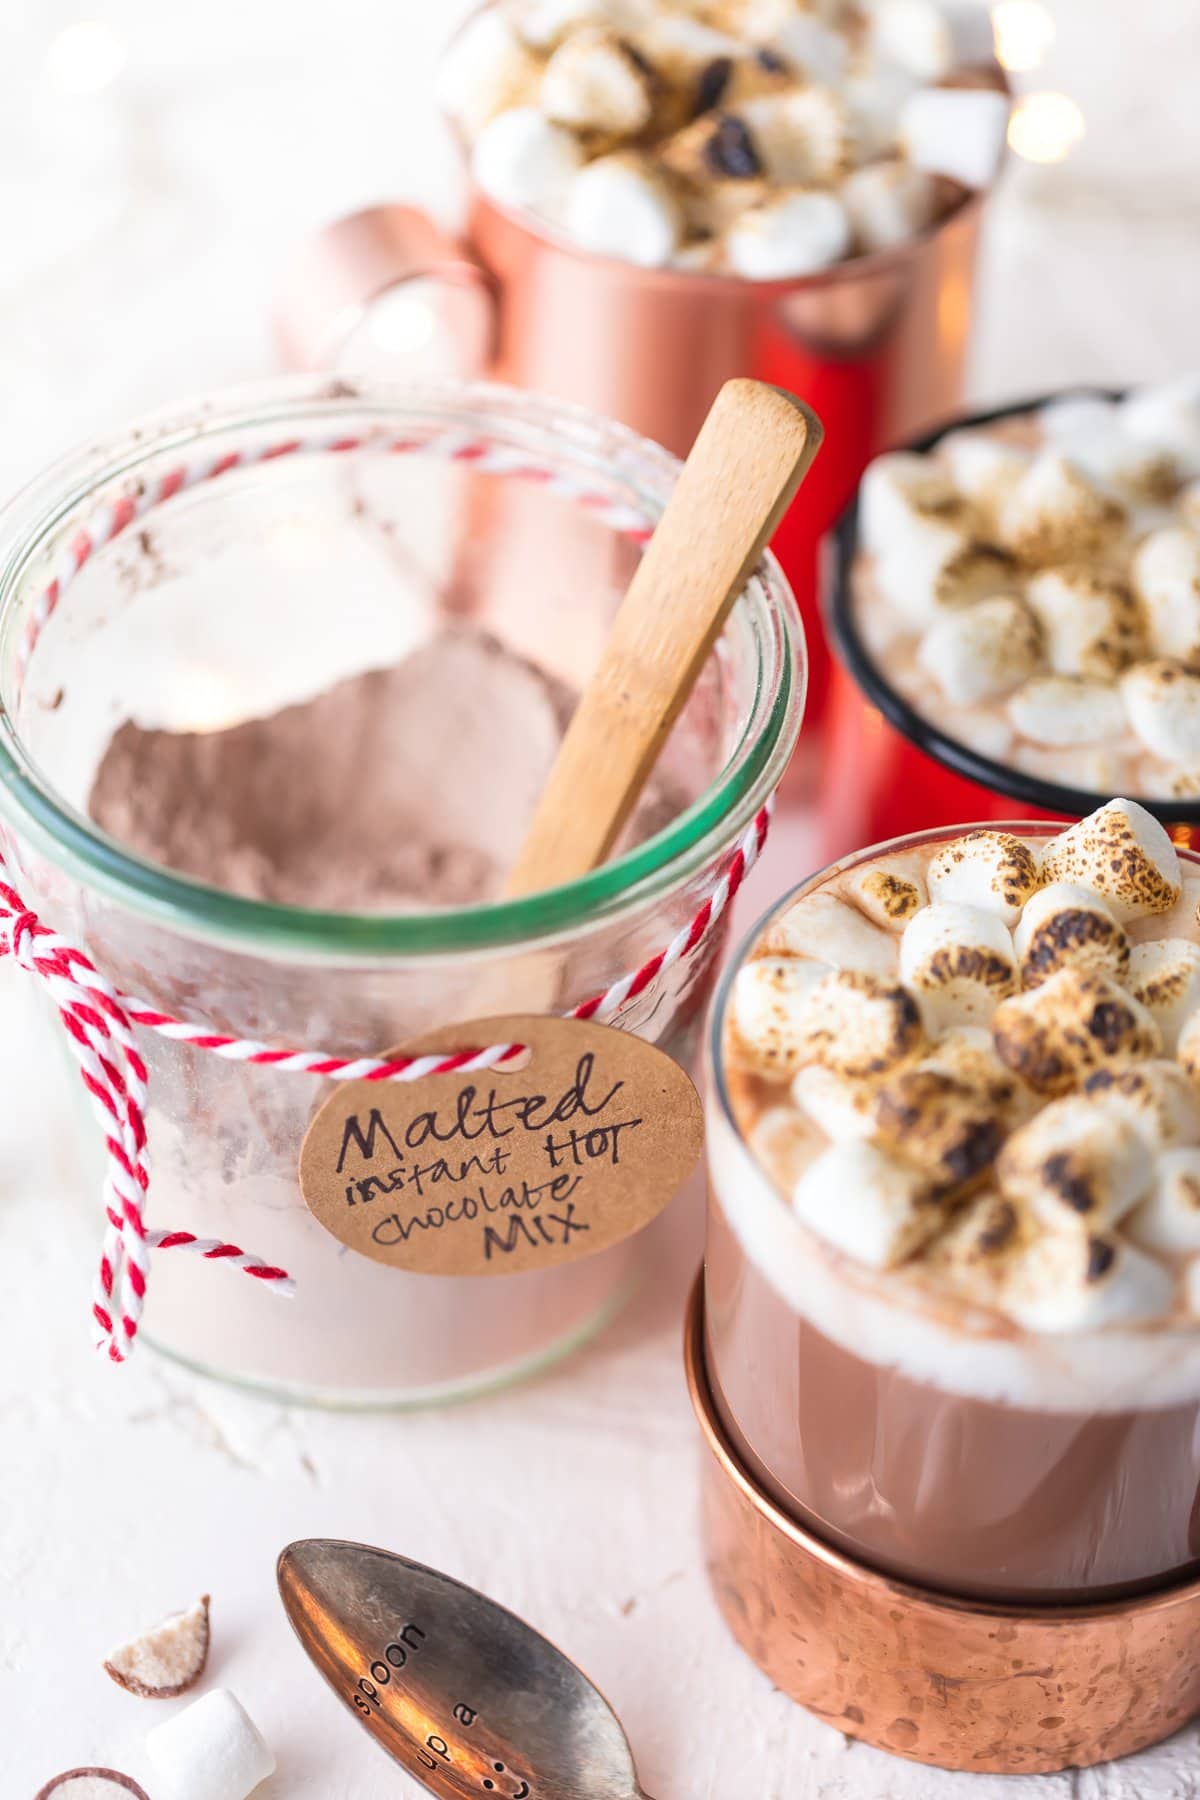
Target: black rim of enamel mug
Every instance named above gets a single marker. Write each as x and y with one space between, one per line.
844 635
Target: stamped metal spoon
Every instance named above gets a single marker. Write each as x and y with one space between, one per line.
463 1694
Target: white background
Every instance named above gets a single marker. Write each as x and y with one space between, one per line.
142 236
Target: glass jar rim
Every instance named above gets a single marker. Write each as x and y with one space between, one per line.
912 840
850 644
37 515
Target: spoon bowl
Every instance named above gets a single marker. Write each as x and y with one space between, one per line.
466 1697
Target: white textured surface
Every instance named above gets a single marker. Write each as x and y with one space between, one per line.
125 1495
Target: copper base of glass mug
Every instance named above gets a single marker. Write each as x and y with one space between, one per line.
954 1683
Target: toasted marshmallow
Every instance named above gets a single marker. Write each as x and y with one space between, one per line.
1054 514
1187 1049
840 1106
928 39
1123 854
486 70
945 1128
858 1025
1054 1034
959 962
957 132
545 23
766 1007
802 135
890 891
988 734
1090 431
888 203
982 651
997 1254
1164 974
522 160
1074 1162
991 869
1067 710
1166 573
939 570
876 95
968 1055
1168 417
984 469
1091 623
1089 768
1162 699
1066 926
1169 1218
867 1204
595 82
1156 1097
822 926
796 234
782 1142
900 490
684 52
618 206
1181 921
813 47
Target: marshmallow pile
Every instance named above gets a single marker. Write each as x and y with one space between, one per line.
978 1065
761 138
1037 594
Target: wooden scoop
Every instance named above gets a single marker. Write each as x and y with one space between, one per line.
753 451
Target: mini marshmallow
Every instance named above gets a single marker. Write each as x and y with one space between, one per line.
1156 1097
889 891
888 203
1187 1048
486 70
1123 854
928 39
858 1025
523 160
983 468
545 23
1090 769
957 132
1067 926
1054 514
1162 699
1091 623
808 44
797 234
1181 921
1052 1035
617 206
968 1055
1168 418
822 926
782 1143
988 734
998 1255
1164 974
876 96
865 1203
1166 573
595 82
1169 1219
1090 431
766 1006
989 869
1067 710
1074 1163
938 570
945 1128
802 136
899 490
840 1106
212 1750
982 651
959 961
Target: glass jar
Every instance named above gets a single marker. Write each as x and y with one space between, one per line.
270 544
945 1447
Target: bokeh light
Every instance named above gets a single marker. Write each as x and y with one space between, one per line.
1024 31
1045 127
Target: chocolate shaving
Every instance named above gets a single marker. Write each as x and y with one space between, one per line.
714 79
730 150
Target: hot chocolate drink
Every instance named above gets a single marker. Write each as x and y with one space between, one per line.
1032 589
953 1273
767 139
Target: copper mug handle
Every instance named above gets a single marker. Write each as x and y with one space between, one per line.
392 270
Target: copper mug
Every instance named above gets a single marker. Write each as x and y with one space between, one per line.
877 345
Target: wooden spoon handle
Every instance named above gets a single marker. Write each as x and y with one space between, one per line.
752 453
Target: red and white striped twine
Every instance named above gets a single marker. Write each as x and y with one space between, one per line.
99 1022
